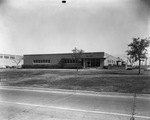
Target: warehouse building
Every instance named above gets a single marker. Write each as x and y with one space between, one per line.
67 60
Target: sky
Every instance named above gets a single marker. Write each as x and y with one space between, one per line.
49 26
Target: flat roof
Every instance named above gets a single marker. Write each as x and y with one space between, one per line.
62 53
11 55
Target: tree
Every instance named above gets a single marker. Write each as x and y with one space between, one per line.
130 60
77 55
138 50
17 60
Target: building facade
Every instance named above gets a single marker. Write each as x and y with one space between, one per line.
7 60
67 60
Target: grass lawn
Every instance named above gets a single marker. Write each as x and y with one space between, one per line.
86 79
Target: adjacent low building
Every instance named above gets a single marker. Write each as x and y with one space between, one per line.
67 60
9 61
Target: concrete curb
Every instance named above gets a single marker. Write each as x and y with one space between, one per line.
81 92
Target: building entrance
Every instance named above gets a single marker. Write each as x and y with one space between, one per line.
92 62
88 63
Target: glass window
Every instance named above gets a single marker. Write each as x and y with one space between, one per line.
70 60
12 57
73 61
66 60
6 57
41 61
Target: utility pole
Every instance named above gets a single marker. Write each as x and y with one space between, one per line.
0 81
133 108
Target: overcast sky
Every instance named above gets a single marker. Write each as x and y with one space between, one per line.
48 26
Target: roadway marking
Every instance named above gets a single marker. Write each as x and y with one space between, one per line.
76 110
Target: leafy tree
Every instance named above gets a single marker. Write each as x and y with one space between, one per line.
138 50
77 55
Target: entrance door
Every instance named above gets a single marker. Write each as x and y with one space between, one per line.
88 63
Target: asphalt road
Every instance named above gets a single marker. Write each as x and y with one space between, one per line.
24 104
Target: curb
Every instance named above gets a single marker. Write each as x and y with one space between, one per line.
80 92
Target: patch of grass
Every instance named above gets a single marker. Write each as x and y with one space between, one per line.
91 80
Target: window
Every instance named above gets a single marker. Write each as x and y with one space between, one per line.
41 61
6 57
12 57
70 61
73 61
109 61
1 57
